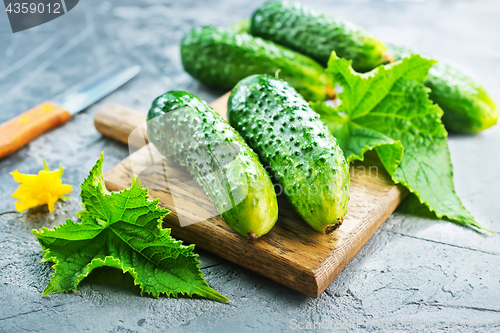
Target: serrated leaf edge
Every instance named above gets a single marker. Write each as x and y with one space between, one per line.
96 171
334 60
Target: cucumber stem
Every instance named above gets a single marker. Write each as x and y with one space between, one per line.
252 236
330 92
329 228
387 57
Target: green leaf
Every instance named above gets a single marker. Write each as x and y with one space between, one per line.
388 110
122 230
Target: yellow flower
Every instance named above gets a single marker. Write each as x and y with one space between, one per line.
41 189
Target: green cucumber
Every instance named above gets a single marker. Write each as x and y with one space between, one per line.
467 106
289 137
220 57
317 35
188 131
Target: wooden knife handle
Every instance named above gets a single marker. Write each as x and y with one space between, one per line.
22 129
122 124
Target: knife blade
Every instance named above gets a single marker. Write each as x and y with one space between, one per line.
22 129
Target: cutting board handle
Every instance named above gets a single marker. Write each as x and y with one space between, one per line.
121 123
118 122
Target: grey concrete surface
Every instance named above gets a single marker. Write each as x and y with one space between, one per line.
415 270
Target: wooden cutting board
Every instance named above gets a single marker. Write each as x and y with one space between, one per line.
292 253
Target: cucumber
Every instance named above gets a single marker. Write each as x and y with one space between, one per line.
288 136
220 57
467 106
188 131
316 35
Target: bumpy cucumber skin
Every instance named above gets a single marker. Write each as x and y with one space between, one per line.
219 57
289 137
467 106
196 122
316 35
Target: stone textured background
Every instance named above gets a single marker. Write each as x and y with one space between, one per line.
414 269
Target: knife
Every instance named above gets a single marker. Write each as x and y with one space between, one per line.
18 131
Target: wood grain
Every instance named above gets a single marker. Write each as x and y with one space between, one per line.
292 253
19 131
